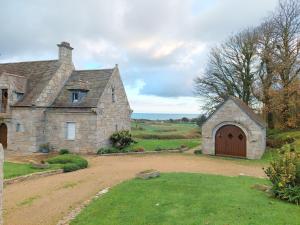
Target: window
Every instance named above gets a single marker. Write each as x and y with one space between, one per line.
75 96
18 127
71 131
19 95
113 94
78 95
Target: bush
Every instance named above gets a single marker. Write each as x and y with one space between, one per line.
283 172
121 139
198 152
138 149
69 167
279 142
108 150
64 151
158 149
290 194
68 159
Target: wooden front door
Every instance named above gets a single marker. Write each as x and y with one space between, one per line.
230 140
3 135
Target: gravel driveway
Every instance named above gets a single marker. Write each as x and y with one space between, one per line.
44 201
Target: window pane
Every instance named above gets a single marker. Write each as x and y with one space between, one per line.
71 131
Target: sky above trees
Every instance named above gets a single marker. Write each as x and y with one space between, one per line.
160 46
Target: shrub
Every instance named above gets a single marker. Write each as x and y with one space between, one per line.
279 142
290 194
198 152
138 149
64 151
108 150
67 159
69 167
121 139
283 172
158 149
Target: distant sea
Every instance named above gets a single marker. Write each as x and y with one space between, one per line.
162 116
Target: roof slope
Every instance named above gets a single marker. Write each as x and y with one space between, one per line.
38 74
93 81
245 108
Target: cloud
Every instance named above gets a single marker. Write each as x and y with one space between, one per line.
163 43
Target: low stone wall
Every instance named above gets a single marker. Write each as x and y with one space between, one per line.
32 176
146 152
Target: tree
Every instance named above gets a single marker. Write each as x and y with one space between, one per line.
230 70
287 58
201 120
266 69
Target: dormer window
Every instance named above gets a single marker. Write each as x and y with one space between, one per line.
78 95
75 96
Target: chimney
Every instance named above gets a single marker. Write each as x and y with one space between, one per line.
65 52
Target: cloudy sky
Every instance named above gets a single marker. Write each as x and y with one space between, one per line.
160 45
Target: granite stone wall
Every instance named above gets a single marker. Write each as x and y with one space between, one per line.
112 116
85 130
31 131
230 113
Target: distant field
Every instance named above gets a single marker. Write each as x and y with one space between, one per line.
153 135
165 130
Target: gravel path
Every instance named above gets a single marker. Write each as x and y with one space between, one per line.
44 201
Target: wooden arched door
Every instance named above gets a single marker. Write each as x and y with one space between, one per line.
3 135
230 140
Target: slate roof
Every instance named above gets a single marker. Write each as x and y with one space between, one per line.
38 74
92 81
245 108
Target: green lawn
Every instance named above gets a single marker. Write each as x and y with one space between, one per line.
189 199
19 169
151 145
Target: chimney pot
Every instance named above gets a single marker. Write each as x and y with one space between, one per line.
65 52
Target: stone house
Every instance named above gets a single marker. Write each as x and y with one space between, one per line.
51 102
234 130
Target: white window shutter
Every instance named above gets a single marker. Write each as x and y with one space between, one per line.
71 131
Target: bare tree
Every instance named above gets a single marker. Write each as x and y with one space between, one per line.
230 70
266 69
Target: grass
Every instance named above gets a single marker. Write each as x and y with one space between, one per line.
151 145
29 201
180 198
152 135
12 170
284 134
164 130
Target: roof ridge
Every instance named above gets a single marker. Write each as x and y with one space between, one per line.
93 70
53 60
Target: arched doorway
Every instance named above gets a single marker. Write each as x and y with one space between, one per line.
230 140
3 135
